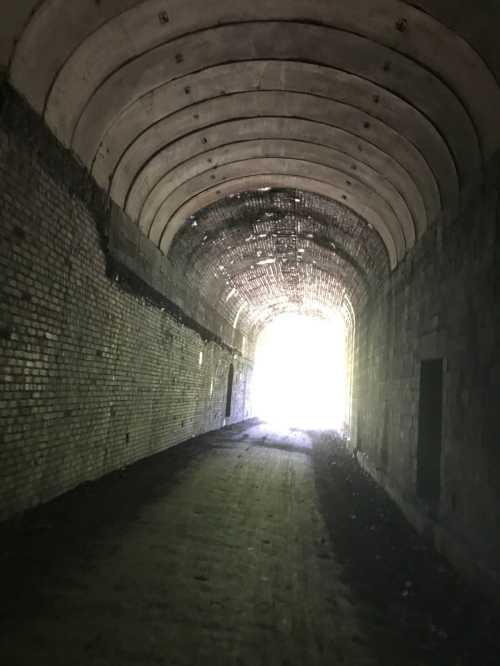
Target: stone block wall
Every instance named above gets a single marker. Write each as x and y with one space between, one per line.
93 376
443 302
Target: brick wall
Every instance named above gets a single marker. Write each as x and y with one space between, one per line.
92 376
442 302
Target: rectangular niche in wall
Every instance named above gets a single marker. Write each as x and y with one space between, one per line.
229 396
430 426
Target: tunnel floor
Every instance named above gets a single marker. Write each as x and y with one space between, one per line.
246 546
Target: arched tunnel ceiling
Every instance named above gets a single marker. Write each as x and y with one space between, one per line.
381 108
268 250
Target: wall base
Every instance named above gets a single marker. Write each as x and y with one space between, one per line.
459 553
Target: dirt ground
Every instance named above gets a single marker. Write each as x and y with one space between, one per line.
248 546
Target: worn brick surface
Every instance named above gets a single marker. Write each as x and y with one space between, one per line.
442 302
92 377
319 254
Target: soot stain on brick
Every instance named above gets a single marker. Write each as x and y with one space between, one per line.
18 118
128 281
19 233
6 331
69 320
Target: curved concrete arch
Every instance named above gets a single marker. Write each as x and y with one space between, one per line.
426 40
357 193
316 155
304 183
14 23
282 41
140 156
38 57
125 86
265 129
162 102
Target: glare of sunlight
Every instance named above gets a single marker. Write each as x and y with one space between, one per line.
300 376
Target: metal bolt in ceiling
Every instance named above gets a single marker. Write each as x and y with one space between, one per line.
372 111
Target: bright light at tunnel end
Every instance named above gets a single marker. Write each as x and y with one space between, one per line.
301 374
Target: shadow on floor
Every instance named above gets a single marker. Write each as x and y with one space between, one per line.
289 448
415 607
29 549
414 610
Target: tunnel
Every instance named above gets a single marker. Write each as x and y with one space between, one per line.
178 178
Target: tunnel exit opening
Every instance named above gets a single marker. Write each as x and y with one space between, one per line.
301 373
